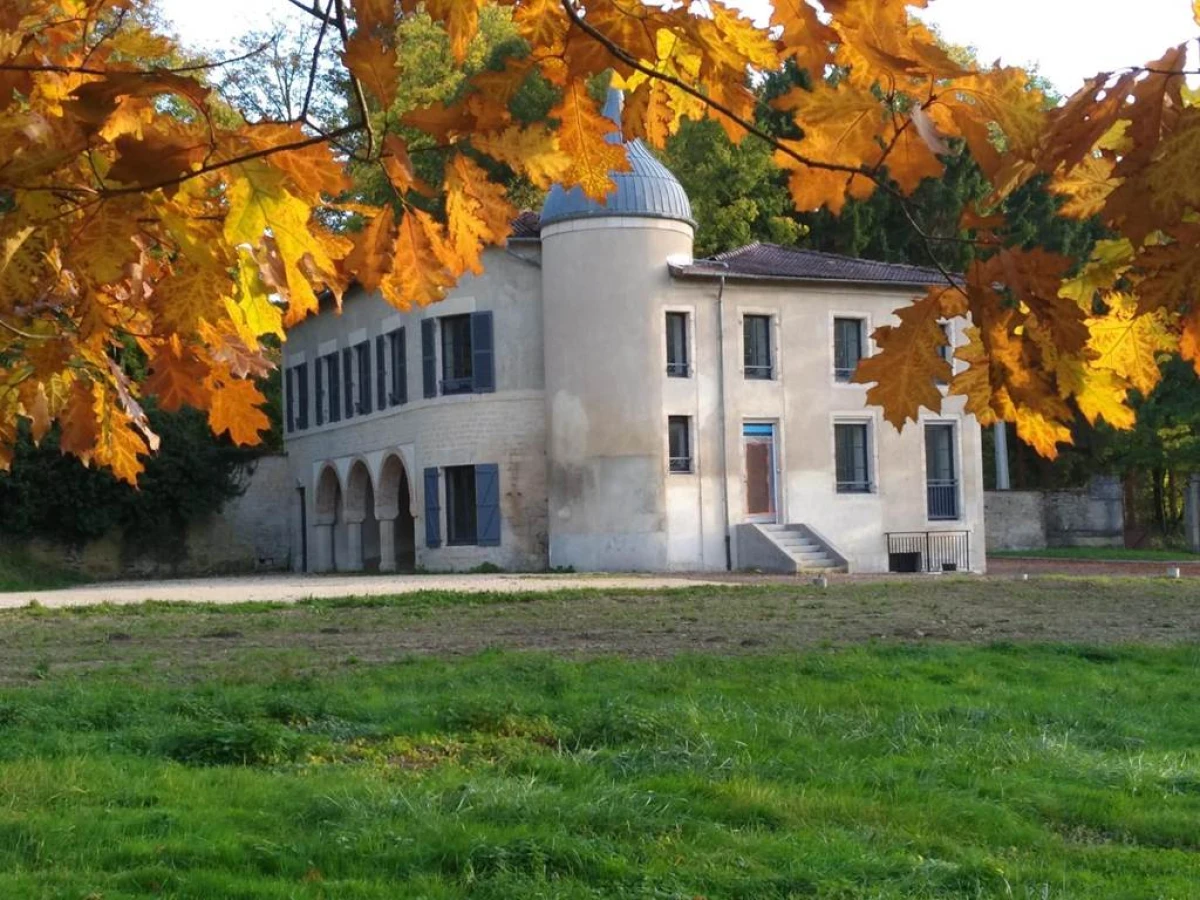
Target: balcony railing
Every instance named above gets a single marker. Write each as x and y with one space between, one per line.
943 499
929 551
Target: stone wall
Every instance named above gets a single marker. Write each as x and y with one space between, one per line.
251 533
1031 520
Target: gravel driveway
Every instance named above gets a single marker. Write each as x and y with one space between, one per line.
290 588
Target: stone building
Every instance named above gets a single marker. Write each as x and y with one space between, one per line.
598 399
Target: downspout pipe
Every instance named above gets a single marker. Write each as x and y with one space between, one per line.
724 418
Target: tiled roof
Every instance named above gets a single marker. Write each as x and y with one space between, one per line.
770 261
526 225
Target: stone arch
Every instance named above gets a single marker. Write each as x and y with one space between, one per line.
328 514
328 497
359 489
393 507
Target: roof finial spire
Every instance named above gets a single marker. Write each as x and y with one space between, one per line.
614 103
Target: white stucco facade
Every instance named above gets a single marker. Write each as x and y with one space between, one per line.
527 417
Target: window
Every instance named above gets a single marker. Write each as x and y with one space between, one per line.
756 338
679 440
399 369
946 350
847 347
335 386
302 396
362 354
941 480
852 457
677 345
461 517
289 390
456 355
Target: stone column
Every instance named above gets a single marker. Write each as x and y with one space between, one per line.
1192 512
323 551
387 545
354 547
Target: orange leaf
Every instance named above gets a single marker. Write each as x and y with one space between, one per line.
420 273
582 136
177 379
371 259
235 409
374 65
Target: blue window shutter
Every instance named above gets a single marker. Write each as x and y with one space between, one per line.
335 388
433 532
483 358
429 356
348 381
380 374
289 376
487 505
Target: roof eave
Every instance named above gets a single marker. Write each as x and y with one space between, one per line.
690 272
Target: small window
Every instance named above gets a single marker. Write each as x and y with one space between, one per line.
853 457
461 511
399 368
348 381
678 365
362 354
756 338
335 386
302 396
946 350
679 441
941 474
847 347
456 355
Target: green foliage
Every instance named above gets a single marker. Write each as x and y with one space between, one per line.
20 572
736 190
881 772
51 495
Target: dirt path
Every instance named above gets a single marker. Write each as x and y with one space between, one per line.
1012 566
290 588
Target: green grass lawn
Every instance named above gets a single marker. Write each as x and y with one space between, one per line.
1099 553
186 756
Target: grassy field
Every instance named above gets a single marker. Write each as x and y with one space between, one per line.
1106 554
351 750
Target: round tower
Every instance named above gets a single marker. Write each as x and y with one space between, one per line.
605 281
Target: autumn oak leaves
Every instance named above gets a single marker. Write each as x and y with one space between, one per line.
141 218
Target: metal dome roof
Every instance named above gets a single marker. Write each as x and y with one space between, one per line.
647 190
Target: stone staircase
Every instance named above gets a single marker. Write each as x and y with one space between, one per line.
786 548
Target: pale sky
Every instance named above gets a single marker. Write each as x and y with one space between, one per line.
1067 40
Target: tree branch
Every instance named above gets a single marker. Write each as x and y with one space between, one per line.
316 60
203 170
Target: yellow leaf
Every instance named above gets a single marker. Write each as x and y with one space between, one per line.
477 211
1129 344
1102 396
1041 433
533 151
312 170
1087 187
118 446
582 136
235 409
1109 261
461 20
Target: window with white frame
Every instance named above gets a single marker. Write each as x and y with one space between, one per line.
679 441
852 457
941 471
678 358
757 350
849 341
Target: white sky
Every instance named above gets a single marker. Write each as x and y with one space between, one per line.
1067 40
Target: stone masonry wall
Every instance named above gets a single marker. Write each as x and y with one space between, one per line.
1030 520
